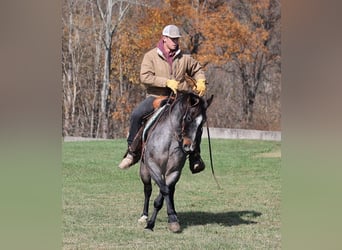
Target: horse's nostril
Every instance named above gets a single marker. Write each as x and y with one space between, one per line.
186 148
187 144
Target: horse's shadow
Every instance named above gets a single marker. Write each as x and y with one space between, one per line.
227 219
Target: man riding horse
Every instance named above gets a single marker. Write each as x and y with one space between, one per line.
164 69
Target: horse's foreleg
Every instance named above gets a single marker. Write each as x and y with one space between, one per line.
171 181
172 194
171 212
158 204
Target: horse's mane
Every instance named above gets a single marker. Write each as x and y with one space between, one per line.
181 97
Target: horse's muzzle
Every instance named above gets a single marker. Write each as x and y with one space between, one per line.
188 145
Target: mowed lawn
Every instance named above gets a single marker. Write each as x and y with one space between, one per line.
102 204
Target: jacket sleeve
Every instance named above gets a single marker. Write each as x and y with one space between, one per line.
195 69
147 73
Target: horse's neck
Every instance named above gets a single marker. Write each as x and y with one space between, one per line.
172 123
176 116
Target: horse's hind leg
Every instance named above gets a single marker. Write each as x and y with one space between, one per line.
158 204
146 179
147 192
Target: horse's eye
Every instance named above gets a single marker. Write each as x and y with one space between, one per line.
188 118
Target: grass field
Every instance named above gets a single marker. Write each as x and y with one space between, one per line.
101 203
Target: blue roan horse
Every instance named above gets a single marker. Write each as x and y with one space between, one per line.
165 151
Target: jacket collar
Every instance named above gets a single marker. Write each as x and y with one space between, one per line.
160 53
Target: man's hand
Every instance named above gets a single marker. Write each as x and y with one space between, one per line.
200 87
172 84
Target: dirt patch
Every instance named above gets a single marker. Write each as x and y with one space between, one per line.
78 138
275 154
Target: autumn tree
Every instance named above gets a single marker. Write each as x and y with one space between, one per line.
139 33
104 41
76 52
69 66
242 35
220 36
112 13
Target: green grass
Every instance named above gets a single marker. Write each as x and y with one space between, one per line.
101 203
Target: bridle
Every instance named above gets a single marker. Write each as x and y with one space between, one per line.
179 137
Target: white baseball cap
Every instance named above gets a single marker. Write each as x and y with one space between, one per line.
171 31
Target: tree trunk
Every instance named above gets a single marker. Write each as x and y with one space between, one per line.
109 30
103 117
105 89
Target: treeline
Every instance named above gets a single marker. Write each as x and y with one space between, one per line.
103 42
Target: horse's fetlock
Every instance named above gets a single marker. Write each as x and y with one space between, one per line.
172 218
143 219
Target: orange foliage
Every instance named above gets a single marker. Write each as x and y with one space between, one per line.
226 36
136 40
123 108
213 31
223 34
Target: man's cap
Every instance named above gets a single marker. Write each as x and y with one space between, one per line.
171 31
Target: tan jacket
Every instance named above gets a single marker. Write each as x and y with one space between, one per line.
155 70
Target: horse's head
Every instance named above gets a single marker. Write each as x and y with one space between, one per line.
193 120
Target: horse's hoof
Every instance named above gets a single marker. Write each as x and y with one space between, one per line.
143 219
148 229
174 227
149 226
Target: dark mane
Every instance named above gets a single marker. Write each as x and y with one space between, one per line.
180 98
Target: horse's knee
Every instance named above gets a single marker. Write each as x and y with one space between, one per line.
164 190
158 204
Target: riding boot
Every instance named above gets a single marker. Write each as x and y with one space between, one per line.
130 158
196 163
133 152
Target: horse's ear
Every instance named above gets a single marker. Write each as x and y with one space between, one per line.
194 100
209 101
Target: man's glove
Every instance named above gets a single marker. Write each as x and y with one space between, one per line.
200 87
172 84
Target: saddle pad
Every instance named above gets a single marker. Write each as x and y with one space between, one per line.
152 120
